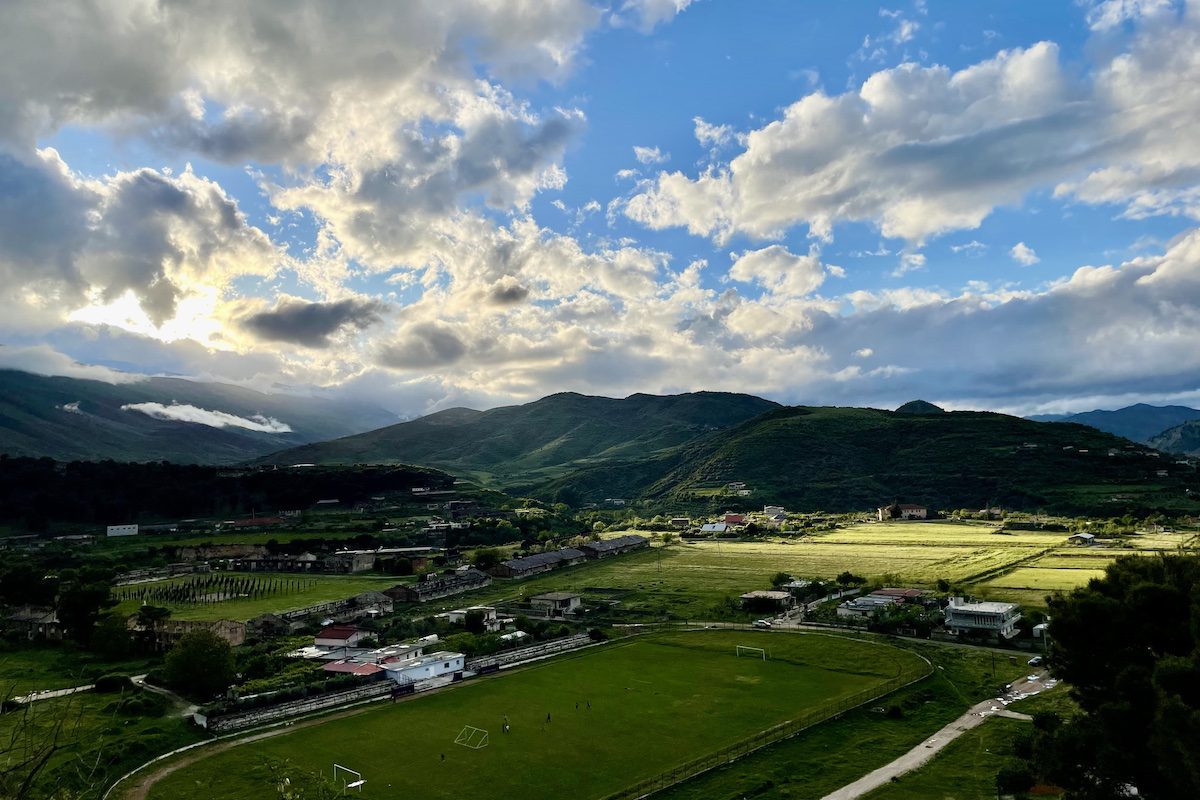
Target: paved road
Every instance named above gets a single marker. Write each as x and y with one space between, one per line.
927 749
46 694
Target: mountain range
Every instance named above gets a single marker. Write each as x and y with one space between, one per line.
168 419
682 451
675 451
1138 423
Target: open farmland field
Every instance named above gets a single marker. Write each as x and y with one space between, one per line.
655 702
279 592
692 579
1070 566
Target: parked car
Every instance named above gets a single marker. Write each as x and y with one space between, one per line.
1036 661
762 623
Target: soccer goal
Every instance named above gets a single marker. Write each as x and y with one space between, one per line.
751 652
351 779
474 738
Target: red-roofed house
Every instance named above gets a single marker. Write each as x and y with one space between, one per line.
334 636
734 519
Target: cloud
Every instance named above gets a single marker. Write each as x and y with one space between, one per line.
646 15
1023 254
972 249
1107 14
920 151
181 412
909 262
709 135
312 324
650 155
780 271
424 345
42 359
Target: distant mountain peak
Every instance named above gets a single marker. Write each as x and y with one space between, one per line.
920 407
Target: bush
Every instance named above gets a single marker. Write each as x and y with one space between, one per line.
1014 779
894 711
110 684
598 635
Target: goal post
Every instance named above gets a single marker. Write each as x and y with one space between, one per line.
472 737
351 778
746 651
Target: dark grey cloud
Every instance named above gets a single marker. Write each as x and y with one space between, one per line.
507 292
311 324
425 345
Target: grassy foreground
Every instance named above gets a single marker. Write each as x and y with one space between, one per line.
654 703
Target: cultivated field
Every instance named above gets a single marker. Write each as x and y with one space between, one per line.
693 579
655 703
294 591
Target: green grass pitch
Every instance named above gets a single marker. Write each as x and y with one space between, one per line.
655 702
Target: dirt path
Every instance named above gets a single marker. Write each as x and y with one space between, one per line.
926 750
47 694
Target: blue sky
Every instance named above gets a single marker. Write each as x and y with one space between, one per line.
986 204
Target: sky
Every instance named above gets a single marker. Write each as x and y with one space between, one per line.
442 203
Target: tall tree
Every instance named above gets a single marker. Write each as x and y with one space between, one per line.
200 664
1128 644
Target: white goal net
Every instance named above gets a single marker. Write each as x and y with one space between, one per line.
745 651
474 738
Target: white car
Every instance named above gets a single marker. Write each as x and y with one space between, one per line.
1036 661
762 623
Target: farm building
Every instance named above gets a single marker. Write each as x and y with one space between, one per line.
34 622
681 522
614 547
434 665
998 618
335 636
771 511
539 562
714 527
165 634
278 562
1082 538
731 518
763 600
556 604
350 561
902 511
901 595
121 530
439 586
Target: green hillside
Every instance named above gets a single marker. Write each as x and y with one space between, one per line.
71 419
1181 440
538 441
852 458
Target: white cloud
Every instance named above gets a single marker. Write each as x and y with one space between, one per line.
1107 14
650 155
1023 254
181 412
779 271
864 352
973 248
646 15
909 262
709 135
42 359
920 151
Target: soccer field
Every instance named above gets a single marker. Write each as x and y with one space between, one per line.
655 703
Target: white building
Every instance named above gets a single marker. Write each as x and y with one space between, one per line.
714 527
556 604
434 665
772 511
122 530
998 618
458 616
339 636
